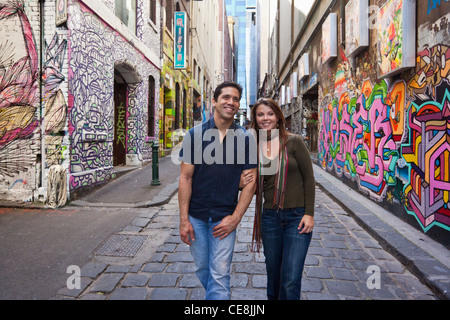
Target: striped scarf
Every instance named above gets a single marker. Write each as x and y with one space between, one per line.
280 191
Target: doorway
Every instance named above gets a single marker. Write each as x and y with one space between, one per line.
120 120
197 108
310 120
168 119
177 106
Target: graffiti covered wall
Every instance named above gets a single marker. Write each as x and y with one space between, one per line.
66 124
19 103
32 118
94 50
392 137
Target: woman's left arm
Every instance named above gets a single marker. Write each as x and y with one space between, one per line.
309 184
305 166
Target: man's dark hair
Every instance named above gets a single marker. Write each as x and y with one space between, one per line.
225 84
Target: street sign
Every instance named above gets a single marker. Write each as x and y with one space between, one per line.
179 51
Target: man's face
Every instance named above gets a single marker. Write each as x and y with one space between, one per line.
227 105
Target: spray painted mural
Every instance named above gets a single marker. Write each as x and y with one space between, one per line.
19 101
21 113
94 50
393 139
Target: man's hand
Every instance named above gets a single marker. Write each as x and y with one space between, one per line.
184 196
187 232
226 226
230 223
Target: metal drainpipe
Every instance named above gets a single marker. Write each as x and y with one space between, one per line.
41 83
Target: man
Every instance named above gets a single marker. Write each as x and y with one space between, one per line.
210 212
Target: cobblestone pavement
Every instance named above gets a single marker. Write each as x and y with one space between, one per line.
342 259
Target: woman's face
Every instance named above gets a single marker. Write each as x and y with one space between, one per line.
266 119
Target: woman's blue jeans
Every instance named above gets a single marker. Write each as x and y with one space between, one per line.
212 259
285 251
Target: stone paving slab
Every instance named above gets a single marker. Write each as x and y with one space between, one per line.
426 258
342 263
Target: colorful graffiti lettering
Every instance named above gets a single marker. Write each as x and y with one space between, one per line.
428 157
385 136
357 133
121 127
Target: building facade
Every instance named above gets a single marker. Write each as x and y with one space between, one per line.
371 98
186 91
114 81
174 97
95 107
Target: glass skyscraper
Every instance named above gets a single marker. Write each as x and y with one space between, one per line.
252 53
238 10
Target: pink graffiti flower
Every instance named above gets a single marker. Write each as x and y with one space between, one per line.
18 80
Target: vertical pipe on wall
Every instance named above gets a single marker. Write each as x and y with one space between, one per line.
41 84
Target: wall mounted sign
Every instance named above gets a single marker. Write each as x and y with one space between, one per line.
356 26
180 40
396 37
303 66
61 12
293 85
329 38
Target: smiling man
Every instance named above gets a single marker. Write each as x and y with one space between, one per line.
210 209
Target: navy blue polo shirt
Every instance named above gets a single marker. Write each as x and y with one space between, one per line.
218 168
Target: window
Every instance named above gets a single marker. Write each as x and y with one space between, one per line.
153 10
195 70
169 14
151 107
126 12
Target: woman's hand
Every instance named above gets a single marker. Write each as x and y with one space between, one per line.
307 223
246 178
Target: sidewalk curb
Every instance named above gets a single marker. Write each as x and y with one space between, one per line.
430 271
161 198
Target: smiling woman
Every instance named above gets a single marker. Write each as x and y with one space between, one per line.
284 201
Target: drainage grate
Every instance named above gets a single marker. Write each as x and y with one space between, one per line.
121 245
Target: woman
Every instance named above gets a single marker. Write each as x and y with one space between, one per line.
284 200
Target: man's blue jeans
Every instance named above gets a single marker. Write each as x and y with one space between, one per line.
285 251
212 258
